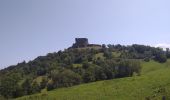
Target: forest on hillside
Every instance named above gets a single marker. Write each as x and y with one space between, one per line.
74 66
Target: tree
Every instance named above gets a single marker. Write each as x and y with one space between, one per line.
99 73
85 65
35 88
66 78
26 85
9 87
161 57
110 47
43 83
167 53
50 85
108 54
109 72
126 68
89 75
146 59
103 46
41 71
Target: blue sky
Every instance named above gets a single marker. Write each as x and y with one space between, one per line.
30 28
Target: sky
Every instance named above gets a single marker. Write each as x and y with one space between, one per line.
32 28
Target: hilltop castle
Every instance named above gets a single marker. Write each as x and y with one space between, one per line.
83 42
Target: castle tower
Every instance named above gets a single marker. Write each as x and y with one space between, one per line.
80 42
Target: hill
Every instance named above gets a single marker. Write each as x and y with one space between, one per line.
82 63
153 84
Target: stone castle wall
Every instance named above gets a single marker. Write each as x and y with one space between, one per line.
83 42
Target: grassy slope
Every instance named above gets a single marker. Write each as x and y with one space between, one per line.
153 83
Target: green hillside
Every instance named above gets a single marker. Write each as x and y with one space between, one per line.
152 84
72 73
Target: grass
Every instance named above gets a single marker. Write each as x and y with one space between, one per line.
39 79
152 66
116 54
77 65
99 55
153 84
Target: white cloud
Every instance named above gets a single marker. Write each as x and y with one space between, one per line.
163 45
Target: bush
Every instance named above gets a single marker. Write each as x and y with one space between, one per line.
126 68
85 65
146 59
161 58
66 78
50 85
88 77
